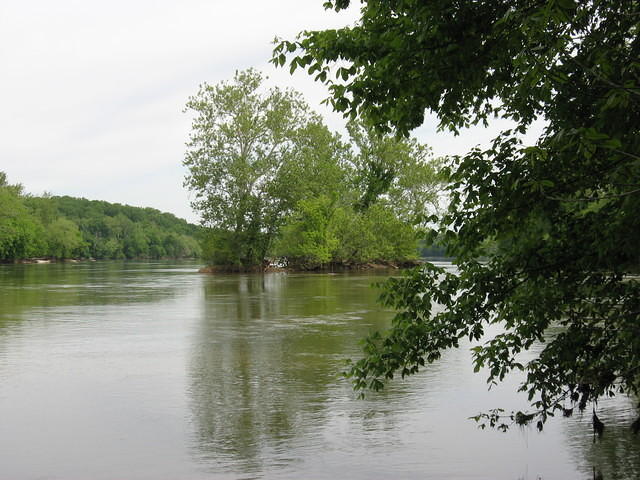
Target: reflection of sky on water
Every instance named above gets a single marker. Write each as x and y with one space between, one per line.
617 453
262 365
266 398
38 288
146 371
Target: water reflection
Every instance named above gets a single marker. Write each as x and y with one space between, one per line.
147 371
39 289
617 454
269 347
267 399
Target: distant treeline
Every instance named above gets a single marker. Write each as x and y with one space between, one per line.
67 227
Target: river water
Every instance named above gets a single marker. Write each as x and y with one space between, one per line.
153 371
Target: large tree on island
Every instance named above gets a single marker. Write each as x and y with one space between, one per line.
242 140
562 215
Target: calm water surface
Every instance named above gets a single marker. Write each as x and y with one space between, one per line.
153 371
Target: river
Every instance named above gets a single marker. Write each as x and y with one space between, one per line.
152 371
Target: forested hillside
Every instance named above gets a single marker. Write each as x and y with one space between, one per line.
66 227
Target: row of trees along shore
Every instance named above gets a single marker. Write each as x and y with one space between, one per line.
272 181
66 227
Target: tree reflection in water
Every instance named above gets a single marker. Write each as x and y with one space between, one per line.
266 397
267 352
614 456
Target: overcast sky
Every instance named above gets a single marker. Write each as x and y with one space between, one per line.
92 92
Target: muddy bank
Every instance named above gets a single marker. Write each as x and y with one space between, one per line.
298 268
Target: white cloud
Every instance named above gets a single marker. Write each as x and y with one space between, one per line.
92 92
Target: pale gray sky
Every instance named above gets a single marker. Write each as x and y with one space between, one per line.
92 92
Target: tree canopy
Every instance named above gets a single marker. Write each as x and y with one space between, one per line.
240 141
270 179
560 215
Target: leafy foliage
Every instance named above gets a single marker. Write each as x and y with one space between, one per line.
241 141
63 238
271 179
19 233
310 234
557 221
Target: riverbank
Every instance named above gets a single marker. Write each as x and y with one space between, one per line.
45 260
298 268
